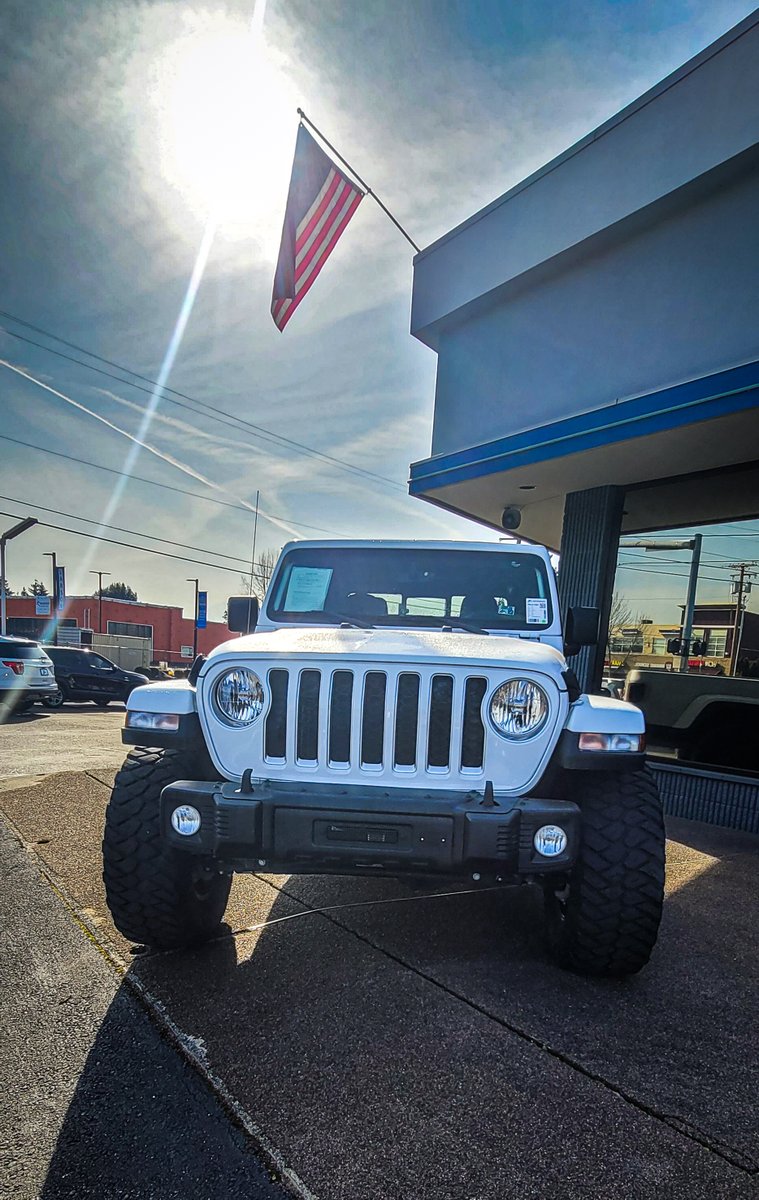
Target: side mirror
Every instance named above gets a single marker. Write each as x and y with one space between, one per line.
242 613
580 629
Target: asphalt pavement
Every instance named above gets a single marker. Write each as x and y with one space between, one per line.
75 737
393 1044
95 1102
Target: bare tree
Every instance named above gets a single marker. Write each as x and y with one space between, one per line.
621 613
255 584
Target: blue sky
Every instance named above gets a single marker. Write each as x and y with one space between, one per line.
131 133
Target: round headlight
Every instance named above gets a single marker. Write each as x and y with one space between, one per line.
519 709
239 696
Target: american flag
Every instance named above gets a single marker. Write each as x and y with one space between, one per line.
320 203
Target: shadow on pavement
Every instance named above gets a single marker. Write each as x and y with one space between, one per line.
143 1123
428 1048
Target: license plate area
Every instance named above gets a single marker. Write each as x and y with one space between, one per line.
308 832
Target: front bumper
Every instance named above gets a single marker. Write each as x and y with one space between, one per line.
27 695
283 828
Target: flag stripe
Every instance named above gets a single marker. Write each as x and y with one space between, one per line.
336 201
333 181
306 284
322 234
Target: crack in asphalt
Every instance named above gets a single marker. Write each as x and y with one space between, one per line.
730 1154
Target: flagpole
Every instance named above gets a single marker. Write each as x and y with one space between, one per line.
356 175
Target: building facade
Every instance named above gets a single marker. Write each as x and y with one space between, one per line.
712 641
170 633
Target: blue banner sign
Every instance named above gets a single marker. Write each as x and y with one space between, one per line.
202 620
60 588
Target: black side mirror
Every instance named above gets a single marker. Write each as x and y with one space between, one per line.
242 613
580 629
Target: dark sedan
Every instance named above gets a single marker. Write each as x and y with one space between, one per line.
86 675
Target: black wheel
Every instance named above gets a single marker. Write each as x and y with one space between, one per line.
157 895
101 703
604 921
54 701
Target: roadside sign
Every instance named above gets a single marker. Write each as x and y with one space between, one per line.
60 588
202 619
42 606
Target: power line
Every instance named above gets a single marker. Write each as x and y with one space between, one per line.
129 546
674 562
218 414
120 529
673 574
169 487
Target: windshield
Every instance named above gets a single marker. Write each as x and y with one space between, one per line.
410 587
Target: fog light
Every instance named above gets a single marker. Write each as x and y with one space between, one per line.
186 820
550 841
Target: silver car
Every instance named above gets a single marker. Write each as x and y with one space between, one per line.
26 675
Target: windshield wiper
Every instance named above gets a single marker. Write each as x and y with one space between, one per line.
340 618
467 626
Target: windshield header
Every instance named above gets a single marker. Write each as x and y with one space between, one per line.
406 587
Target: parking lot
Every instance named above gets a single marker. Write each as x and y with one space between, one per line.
397 1044
76 737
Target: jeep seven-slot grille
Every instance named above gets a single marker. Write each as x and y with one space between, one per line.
375 721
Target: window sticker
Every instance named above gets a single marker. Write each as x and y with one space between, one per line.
537 611
307 589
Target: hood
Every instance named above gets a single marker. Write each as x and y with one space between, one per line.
394 645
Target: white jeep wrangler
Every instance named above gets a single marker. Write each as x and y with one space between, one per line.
401 709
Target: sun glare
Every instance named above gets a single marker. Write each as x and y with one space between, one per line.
227 129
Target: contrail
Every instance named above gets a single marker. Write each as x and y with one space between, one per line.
142 444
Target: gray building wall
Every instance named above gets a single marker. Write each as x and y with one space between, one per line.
701 116
646 306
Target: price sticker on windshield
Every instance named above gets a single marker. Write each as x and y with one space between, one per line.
537 611
307 589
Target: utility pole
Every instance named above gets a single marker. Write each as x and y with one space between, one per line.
100 575
741 588
195 620
253 551
54 621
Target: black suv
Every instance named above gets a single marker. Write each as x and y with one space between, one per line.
86 675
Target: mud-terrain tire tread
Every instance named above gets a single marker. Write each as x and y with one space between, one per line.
611 916
148 884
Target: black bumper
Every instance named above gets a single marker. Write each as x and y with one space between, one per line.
28 695
283 828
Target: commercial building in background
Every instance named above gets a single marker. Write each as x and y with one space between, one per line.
714 625
166 635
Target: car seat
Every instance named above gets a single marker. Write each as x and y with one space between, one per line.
363 604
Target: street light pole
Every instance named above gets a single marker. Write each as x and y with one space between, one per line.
6 537
195 620
690 602
54 618
100 575
693 544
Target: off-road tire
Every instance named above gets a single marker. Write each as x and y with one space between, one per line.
157 895
606 919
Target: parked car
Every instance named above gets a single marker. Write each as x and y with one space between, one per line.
26 675
86 675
